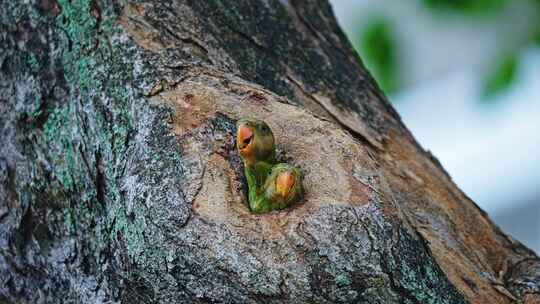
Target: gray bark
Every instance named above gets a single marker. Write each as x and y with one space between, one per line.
120 182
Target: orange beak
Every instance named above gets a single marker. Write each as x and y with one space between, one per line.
284 183
244 138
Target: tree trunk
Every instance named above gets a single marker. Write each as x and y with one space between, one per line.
120 181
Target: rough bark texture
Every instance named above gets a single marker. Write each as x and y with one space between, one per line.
120 182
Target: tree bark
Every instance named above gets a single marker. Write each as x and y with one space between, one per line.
120 182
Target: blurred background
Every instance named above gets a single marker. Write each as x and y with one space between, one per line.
465 77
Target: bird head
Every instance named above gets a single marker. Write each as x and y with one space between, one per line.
254 140
284 185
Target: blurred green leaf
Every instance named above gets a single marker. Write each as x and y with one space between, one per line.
536 37
377 48
501 77
469 7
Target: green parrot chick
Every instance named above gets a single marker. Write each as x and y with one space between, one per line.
271 186
255 141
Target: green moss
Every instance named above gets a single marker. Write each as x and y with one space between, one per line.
378 49
97 66
343 280
56 135
33 63
69 220
88 82
419 280
377 282
80 26
131 231
93 67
